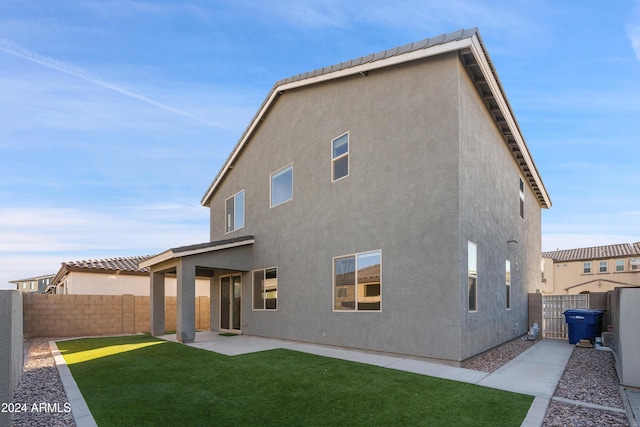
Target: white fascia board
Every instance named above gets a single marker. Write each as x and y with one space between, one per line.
363 68
478 53
214 248
164 256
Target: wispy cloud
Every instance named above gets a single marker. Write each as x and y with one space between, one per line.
633 31
12 49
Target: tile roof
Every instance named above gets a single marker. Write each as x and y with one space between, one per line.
597 252
109 264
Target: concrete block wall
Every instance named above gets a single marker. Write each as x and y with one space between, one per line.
85 315
11 347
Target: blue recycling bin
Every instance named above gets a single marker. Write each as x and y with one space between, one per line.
583 324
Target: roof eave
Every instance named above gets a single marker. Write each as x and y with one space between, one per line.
472 42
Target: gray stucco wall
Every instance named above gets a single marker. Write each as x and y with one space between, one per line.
490 217
625 303
403 197
11 347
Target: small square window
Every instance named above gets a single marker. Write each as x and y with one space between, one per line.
619 265
603 266
282 186
586 268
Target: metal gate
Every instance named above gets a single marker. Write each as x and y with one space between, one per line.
553 321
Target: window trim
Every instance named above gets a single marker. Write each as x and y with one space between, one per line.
522 198
600 266
341 156
472 276
271 176
586 265
508 283
620 262
333 282
226 213
264 303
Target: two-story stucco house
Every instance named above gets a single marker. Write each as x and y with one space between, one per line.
593 269
387 203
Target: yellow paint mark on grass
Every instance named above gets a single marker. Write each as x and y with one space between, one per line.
86 355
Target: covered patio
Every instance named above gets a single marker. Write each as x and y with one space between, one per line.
207 260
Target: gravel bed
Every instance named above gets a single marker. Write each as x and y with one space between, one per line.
494 359
589 376
39 393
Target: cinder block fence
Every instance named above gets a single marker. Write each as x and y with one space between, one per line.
48 315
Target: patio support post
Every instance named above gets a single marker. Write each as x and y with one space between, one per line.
157 304
186 302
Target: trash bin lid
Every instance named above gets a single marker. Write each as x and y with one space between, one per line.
582 311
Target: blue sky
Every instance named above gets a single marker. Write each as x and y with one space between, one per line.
116 115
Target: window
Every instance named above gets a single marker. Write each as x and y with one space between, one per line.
340 157
603 267
235 212
472 274
508 282
265 289
282 185
357 282
521 198
586 268
619 265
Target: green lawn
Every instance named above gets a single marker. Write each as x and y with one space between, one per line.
141 380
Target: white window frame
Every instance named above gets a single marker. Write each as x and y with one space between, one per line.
508 283
472 275
602 264
521 205
235 212
275 174
620 263
253 284
586 265
333 282
340 157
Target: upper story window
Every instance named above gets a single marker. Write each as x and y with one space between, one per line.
603 267
234 207
472 275
586 268
619 265
282 185
521 198
340 157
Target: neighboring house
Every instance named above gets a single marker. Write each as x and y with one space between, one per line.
33 284
112 276
387 203
586 270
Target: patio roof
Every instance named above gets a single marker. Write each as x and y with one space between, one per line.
196 249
